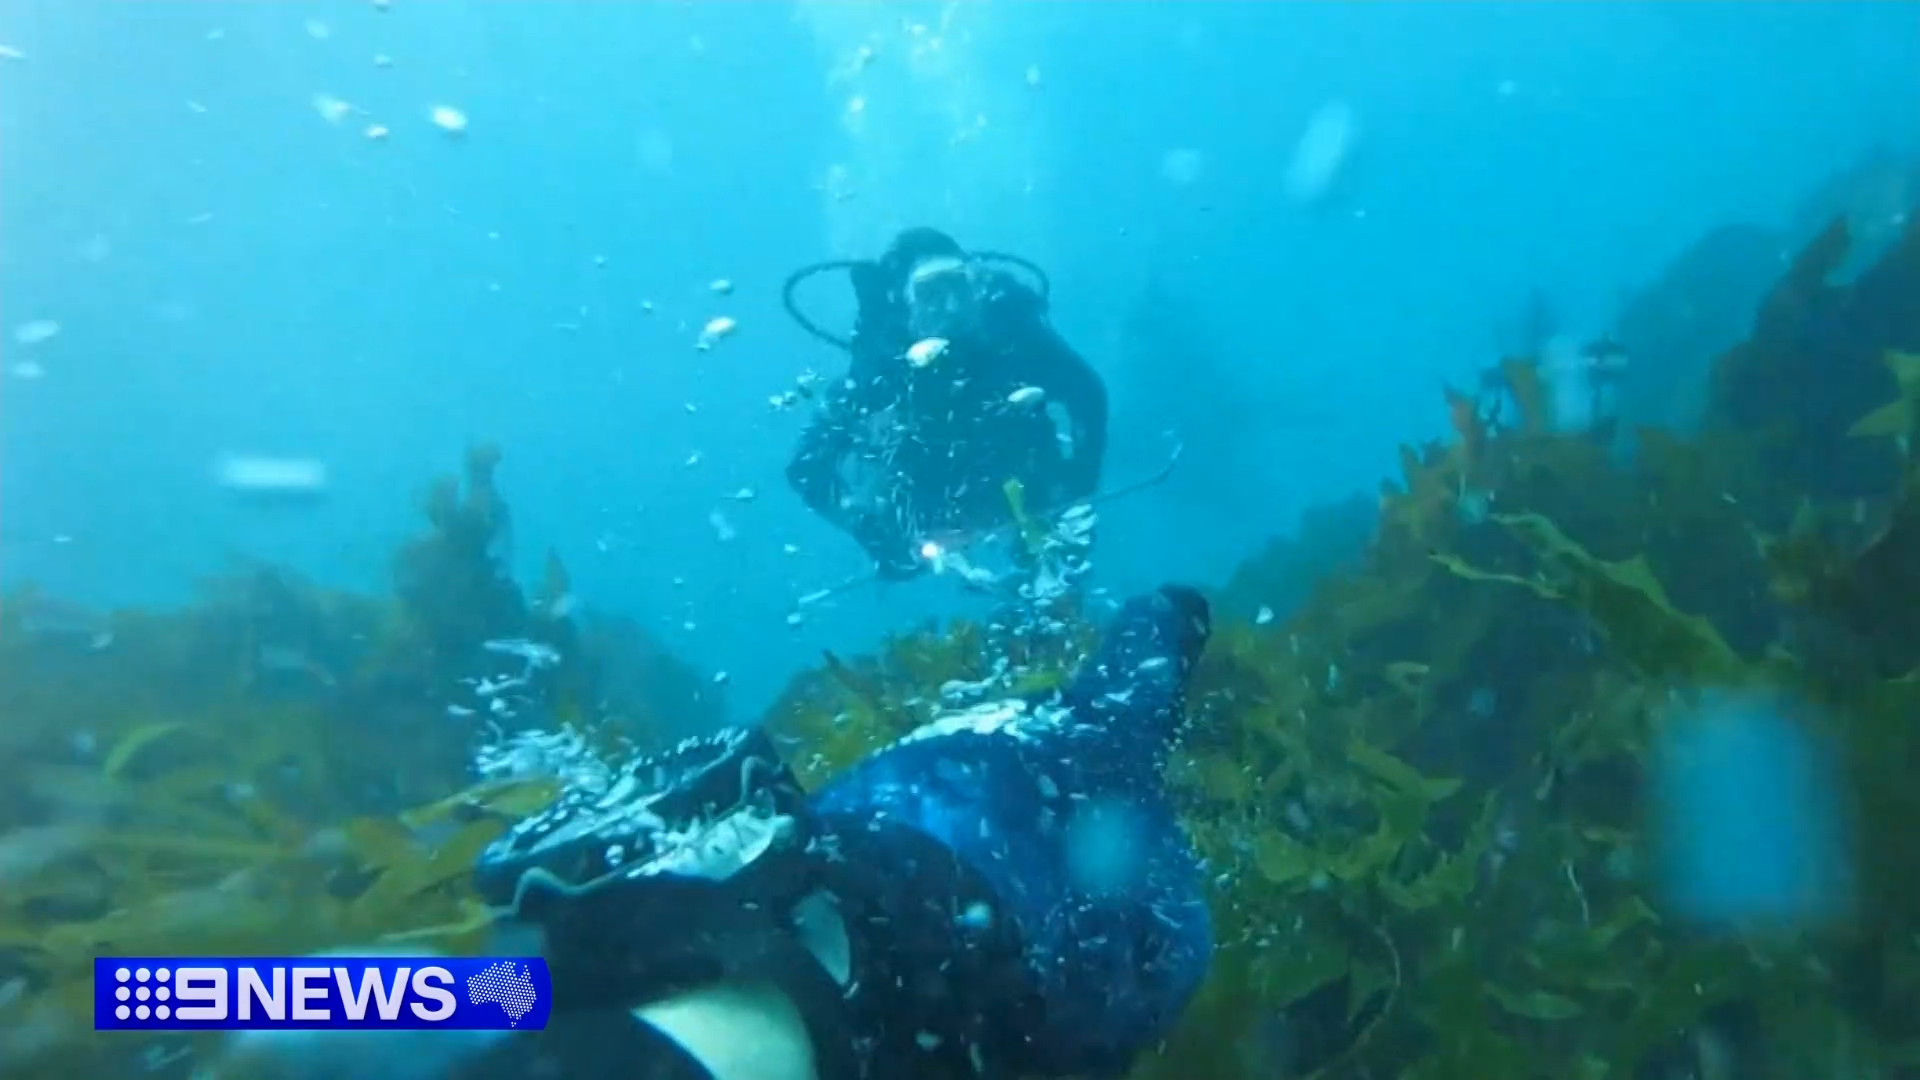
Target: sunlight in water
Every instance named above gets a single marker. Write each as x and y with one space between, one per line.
937 123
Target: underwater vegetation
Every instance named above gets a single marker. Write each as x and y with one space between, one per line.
1423 761
270 768
1426 790
1424 786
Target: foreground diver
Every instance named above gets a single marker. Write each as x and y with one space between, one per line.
1002 893
957 385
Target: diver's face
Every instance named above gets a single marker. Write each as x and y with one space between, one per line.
940 299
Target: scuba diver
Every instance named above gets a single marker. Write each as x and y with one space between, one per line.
957 387
1003 892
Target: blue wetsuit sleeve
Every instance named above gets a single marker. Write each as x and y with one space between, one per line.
1055 817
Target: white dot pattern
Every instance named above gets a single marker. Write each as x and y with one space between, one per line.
505 986
125 993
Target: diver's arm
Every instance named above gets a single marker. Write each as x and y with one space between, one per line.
1018 315
1073 383
814 470
1040 977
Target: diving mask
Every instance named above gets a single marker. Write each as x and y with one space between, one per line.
941 300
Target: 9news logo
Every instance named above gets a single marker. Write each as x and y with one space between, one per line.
321 993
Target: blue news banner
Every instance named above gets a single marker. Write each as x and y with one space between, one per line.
295 993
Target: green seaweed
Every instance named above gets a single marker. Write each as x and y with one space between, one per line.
271 768
1415 761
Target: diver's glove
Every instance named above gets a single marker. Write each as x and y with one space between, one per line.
897 567
681 870
1002 892
1017 895
892 551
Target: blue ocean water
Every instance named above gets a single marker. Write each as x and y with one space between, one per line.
191 192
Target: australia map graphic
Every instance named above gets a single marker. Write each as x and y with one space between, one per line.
504 985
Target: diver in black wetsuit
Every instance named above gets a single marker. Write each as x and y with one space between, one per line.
1002 893
958 384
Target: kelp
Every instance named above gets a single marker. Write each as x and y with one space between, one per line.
1419 775
275 768
1416 760
1559 605
832 716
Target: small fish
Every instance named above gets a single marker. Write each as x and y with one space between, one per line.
491 688
717 329
36 331
1605 356
53 620
721 287
287 660
1026 395
1322 150
448 119
926 351
28 850
278 480
331 109
533 652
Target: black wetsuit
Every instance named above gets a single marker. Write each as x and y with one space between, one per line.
902 452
